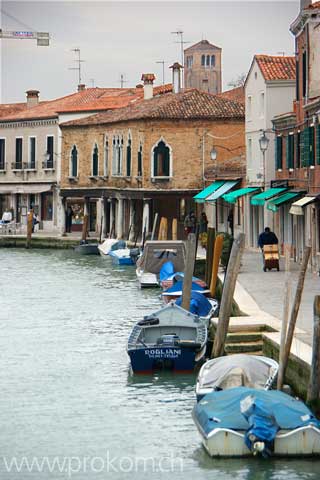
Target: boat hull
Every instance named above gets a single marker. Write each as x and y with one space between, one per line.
119 259
87 249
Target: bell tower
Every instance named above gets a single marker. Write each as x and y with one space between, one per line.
202 67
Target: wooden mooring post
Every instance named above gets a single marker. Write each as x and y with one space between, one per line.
209 254
227 295
285 315
174 229
313 397
29 228
218 244
188 272
85 228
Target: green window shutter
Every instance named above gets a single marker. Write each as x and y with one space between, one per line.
305 153
311 146
318 145
278 153
290 151
287 152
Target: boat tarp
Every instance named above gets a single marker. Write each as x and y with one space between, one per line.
178 287
157 253
221 409
232 197
276 203
235 370
260 198
201 196
199 304
166 271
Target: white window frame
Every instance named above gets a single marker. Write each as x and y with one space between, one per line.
29 152
70 162
161 139
249 109
5 154
105 155
95 143
15 149
262 100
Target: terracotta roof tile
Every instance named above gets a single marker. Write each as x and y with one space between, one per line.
277 67
236 94
189 104
313 6
11 108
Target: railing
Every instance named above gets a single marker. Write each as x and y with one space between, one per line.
48 165
16 165
29 166
3 166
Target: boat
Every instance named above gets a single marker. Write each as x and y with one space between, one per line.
87 248
175 291
110 244
121 256
237 370
169 339
155 254
171 280
243 421
205 308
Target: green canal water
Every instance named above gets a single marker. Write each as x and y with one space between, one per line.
69 406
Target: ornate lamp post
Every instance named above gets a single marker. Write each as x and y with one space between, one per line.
264 143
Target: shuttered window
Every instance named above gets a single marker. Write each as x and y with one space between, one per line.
311 152
318 145
298 150
290 151
278 153
305 152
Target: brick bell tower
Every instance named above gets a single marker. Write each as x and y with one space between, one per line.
202 67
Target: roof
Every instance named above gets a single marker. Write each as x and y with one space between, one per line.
186 105
87 100
236 94
11 108
277 67
313 6
202 45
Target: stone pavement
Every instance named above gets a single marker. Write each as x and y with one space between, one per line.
266 289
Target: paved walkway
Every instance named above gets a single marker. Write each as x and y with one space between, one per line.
266 288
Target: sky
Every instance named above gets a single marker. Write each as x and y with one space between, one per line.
129 38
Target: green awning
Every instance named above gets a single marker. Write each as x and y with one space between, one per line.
226 187
201 196
263 196
232 197
275 204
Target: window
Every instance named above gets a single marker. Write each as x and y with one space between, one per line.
311 159
298 150
213 60
208 60
128 166
304 74
74 162
318 145
249 107
290 151
18 153
297 81
106 157
250 153
161 160
117 153
32 152
50 140
47 206
140 162
189 62
203 60
95 161
279 150
261 104
2 154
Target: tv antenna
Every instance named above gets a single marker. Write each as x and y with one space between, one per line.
78 61
182 42
122 80
162 62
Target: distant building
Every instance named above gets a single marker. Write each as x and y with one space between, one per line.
202 67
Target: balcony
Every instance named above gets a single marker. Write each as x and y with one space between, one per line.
48 165
3 167
30 166
16 166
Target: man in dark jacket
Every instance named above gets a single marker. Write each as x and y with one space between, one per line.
267 238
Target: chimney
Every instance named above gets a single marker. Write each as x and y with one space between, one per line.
32 98
305 4
176 77
81 87
148 79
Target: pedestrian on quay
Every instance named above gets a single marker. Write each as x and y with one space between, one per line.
69 216
35 221
190 223
267 238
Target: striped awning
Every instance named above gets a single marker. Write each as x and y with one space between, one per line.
260 198
226 187
297 207
232 197
201 196
276 203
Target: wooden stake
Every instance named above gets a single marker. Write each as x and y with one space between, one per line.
227 296
209 254
314 382
154 226
215 263
85 227
188 272
174 229
160 234
29 228
294 315
285 315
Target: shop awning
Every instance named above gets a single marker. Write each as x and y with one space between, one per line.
24 189
201 196
222 190
232 197
276 203
263 196
297 207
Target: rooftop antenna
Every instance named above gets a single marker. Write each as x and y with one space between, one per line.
92 82
162 63
78 61
283 54
182 42
122 80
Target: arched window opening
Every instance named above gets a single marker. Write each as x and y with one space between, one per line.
95 161
203 60
161 160
128 169
208 60
106 157
140 162
213 60
74 162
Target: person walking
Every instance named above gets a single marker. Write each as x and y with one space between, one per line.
69 216
190 223
267 238
203 227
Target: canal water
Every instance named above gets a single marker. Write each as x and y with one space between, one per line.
69 405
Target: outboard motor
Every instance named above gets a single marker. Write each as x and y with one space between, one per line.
134 254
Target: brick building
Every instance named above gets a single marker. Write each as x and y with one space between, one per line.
297 158
151 157
202 67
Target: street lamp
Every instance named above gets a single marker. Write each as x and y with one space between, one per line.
213 154
264 143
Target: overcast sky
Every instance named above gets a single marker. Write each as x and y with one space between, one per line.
129 38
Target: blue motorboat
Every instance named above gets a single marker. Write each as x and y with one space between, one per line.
171 338
121 256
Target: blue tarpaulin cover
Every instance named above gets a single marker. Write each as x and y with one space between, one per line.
199 304
178 287
222 409
166 271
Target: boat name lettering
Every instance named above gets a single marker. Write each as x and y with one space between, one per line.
160 353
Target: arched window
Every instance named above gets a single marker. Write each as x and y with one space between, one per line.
106 157
114 156
208 60
140 161
74 162
213 60
128 166
203 60
161 160
95 161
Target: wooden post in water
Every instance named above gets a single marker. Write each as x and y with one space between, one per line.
29 228
174 229
209 254
188 272
294 315
227 296
85 227
285 315
313 398
154 226
163 229
218 244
